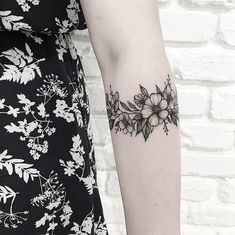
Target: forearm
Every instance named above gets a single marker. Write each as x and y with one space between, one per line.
146 146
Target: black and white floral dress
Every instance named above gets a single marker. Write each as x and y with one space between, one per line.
48 183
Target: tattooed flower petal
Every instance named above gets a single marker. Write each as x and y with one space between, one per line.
163 104
154 120
155 98
147 110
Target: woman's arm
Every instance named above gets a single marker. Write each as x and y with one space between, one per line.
142 108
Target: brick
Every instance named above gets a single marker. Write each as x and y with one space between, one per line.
201 133
96 92
209 63
187 26
113 209
90 66
193 100
226 231
223 100
77 35
100 128
102 177
227 4
105 156
198 188
83 47
227 27
208 164
113 188
227 190
197 230
116 229
183 212
213 214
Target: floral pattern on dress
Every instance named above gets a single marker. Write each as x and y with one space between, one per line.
48 177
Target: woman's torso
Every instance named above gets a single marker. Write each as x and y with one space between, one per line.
41 83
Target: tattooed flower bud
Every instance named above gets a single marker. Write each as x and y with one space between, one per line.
169 95
140 99
125 123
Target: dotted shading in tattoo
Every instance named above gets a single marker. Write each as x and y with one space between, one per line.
148 111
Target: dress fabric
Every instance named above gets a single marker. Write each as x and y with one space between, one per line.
48 183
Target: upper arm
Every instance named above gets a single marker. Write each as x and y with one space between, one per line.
123 27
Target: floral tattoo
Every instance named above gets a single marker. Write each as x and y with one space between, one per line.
147 112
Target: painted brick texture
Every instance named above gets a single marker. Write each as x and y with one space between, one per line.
200 43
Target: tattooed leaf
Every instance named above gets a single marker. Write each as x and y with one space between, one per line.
174 119
131 105
146 131
137 117
106 98
140 125
168 119
125 106
158 89
144 91
111 123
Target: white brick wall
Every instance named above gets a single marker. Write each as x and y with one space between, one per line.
200 43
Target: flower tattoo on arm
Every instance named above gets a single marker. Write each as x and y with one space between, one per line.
148 111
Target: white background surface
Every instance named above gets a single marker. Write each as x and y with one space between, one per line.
200 43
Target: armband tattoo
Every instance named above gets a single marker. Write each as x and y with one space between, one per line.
148 111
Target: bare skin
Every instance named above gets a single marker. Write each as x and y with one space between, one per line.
127 40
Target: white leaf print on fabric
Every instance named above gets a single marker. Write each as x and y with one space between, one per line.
100 227
34 131
62 110
65 46
11 22
6 193
26 4
61 101
72 20
23 170
52 195
24 68
85 227
10 219
78 164
53 198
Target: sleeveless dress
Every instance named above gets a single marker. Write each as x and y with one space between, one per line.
48 183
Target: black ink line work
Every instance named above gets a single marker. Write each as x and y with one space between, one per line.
147 112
